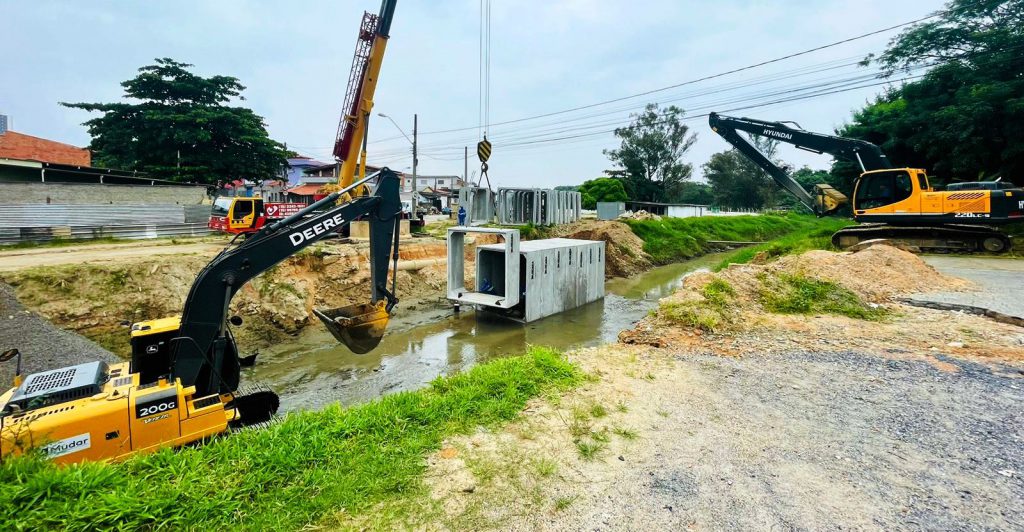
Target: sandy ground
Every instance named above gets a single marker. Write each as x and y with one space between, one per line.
783 422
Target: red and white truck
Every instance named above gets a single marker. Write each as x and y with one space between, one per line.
236 215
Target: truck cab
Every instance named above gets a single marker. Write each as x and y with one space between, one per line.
237 215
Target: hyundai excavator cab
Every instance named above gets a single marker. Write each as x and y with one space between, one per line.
891 203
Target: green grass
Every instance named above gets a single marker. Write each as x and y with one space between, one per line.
708 314
813 236
795 294
300 471
675 239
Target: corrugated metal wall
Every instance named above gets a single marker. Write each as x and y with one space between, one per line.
42 222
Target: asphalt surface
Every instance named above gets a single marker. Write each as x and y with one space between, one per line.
43 346
1001 283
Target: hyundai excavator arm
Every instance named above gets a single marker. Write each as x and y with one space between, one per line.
203 354
827 199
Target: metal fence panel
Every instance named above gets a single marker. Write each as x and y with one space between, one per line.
50 215
11 235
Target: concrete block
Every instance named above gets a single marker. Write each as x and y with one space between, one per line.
361 229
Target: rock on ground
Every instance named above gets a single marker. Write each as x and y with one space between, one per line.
43 345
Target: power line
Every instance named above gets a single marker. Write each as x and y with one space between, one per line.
693 81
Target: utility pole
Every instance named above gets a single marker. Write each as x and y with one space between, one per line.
415 160
465 165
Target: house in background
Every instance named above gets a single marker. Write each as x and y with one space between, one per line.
297 167
14 145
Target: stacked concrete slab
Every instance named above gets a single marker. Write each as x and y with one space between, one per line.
520 206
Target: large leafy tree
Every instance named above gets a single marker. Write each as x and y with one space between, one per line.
650 157
964 120
737 182
180 126
602 189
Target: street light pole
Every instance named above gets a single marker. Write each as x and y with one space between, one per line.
415 160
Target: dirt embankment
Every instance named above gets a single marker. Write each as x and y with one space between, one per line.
624 250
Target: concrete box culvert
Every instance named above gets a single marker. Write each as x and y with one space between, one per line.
527 281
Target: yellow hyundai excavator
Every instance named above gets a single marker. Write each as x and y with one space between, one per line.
891 203
182 382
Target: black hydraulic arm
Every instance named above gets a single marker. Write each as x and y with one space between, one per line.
867 155
208 359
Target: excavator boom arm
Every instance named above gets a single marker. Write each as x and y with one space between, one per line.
867 155
201 357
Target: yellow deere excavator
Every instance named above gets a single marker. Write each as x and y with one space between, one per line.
893 203
182 382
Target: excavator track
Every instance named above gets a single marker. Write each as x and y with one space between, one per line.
942 238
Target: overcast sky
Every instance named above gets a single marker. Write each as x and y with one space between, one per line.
294 58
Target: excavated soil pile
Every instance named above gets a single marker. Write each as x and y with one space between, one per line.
734 299
625 250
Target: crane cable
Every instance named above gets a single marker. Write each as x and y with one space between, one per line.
483 148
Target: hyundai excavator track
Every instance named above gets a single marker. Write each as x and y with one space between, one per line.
944 238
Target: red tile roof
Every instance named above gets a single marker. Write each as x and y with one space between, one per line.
304 190
14 145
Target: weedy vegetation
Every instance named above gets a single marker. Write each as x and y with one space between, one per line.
795 294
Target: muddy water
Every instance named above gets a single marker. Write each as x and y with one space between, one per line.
424 344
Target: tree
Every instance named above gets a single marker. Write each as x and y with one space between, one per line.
183 129
693 193
739 183
651 151
602 189
964 120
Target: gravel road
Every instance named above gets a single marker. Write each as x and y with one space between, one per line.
816 440
43 346
792 440
999 281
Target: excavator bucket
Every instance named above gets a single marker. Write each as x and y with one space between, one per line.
360 327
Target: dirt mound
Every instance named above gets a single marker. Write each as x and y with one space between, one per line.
745 296
876 273
625 250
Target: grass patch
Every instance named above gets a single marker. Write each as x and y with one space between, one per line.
294 473
708 314
675 239
562 503
598 410
796 294
814 236
624 433
545 467
589 449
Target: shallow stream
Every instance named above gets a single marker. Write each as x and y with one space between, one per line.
421 345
